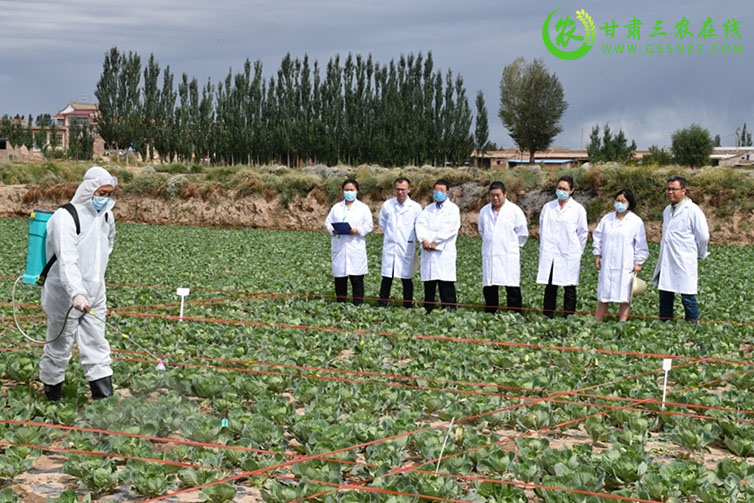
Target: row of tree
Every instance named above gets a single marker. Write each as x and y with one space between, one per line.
352 111
19 131
691 146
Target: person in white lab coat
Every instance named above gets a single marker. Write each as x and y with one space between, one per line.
562 236
685 236
503 228
620 248
75 284
349 250
397 220
437 230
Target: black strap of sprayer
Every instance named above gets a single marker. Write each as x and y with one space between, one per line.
43 275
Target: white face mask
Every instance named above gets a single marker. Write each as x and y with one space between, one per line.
349 195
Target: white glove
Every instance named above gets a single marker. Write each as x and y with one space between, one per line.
80 303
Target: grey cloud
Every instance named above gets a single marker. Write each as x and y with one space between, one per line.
53 51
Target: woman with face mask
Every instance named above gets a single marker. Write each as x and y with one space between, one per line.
348 222
620 247
562 236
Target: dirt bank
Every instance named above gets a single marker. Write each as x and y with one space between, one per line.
264 211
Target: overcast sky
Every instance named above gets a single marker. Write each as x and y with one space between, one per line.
52 52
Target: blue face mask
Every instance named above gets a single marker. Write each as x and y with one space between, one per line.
562 195
439 196
100 203
349 195
620 207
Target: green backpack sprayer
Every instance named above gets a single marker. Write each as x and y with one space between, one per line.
37 263
38 266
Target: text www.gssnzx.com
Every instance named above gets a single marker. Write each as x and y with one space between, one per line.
678 48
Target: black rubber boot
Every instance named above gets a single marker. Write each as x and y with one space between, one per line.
101 388
54 392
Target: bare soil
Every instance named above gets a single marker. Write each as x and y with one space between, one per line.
264 211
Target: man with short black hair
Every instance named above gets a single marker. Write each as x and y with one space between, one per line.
685 236
397 220
503 228
437 230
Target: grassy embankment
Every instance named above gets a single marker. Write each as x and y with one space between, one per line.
725 190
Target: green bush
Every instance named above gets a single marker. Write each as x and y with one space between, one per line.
245 182
175 168
293 184
146 184
332 189
123 176
221 173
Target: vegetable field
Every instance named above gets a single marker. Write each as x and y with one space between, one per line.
272 392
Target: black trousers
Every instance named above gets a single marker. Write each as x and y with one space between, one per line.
357 285
492 298
551 296
447 294
408 291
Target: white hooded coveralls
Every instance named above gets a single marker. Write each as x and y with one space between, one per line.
79 269
399 243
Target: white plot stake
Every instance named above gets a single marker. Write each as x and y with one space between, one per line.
442 449
667 363
182 292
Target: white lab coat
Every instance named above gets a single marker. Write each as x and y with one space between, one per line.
397 222
501 243
685 236
621 244
562 237
79 269
439 225
349 251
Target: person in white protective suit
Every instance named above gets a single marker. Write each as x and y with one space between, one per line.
77 278
397 219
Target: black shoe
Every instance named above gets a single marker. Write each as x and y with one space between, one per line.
54 392
102 388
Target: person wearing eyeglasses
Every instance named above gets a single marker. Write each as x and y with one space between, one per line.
685 236
80 236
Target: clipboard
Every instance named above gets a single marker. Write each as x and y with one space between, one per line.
341 227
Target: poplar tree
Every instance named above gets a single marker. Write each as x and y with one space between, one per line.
531 105
482 127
